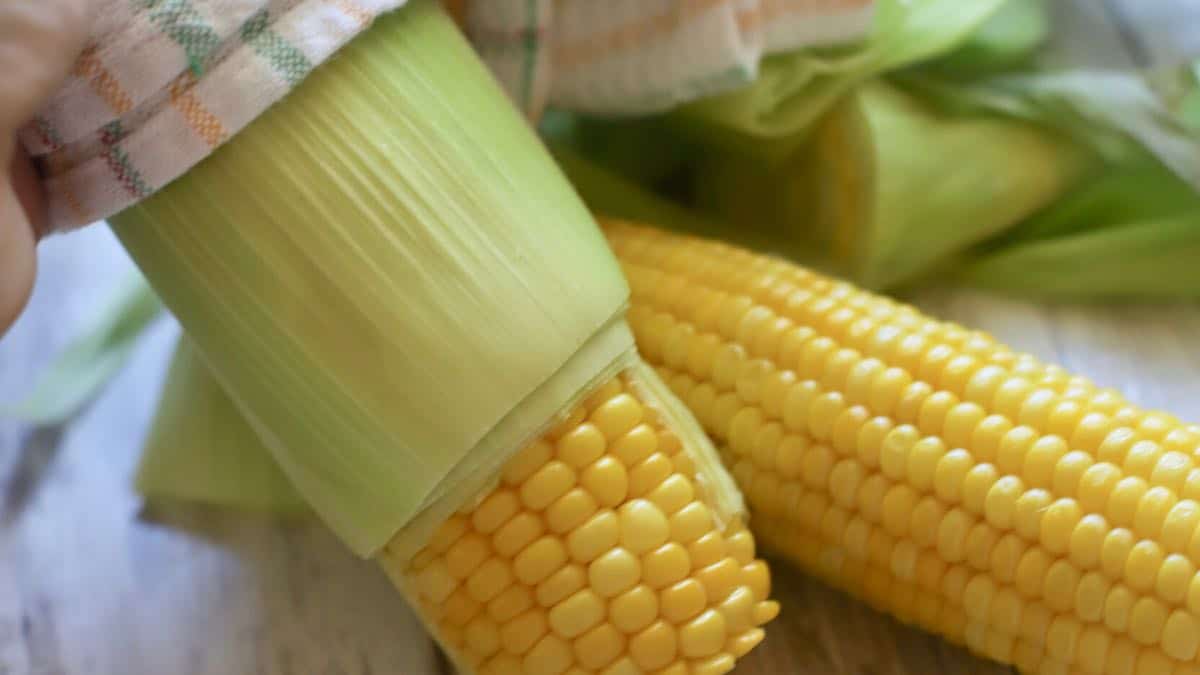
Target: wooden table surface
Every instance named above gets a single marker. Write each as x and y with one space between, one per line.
94 583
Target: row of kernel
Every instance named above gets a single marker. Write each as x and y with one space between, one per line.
820 357
960 368
777 286
712 253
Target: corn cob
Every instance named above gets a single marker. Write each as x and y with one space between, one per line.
598 551
364 279
1027 513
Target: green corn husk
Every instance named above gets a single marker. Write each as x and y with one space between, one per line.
389 276
889 186
619 145
1130 234
1118 115
612 194
91 360
1008 39
201 450
768 121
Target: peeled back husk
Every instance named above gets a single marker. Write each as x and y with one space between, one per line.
388 276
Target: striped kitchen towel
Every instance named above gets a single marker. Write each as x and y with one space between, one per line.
628 57
162 83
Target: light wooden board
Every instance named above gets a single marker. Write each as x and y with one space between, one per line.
93 584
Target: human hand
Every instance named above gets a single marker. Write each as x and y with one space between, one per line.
39 40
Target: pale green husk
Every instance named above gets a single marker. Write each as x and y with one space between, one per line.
1133 233
389 276
769 119
1008 39
201 450
89 361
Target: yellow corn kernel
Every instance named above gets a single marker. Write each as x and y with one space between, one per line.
547 484
599 647
654 646
561 584
703 635
576 614
570 510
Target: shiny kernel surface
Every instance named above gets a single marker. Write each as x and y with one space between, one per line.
593 554
666 565
560 585
613 572
577 613
547 484
607 480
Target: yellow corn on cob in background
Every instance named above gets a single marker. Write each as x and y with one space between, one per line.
397 291
1036 518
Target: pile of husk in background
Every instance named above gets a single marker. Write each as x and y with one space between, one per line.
945 149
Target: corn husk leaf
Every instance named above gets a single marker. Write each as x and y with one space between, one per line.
89 362
769 119
622 146
608 193
1008 39
1120 115
201 450
389 277
1154 259
1116 197
1130 234
888 186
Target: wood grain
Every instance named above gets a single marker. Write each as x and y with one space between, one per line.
92 583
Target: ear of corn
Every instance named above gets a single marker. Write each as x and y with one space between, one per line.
606 545
413 315
1035 517
603 549
388 276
